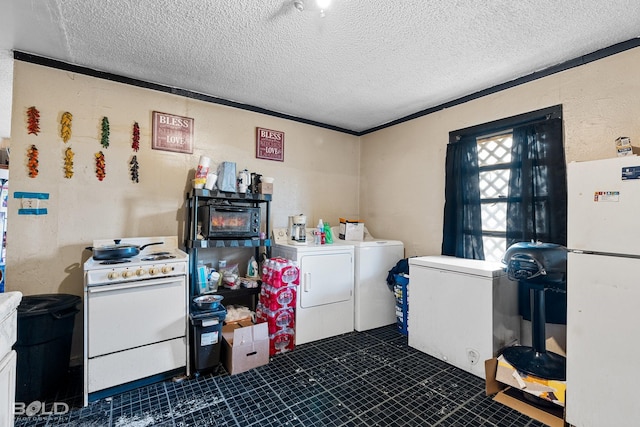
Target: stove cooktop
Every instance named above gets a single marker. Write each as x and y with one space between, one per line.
158 256
155 261
142 259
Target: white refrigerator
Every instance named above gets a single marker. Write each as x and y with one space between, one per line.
603 292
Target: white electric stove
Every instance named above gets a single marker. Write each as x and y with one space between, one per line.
135 317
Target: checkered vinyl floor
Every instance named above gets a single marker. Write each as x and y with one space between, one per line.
367 379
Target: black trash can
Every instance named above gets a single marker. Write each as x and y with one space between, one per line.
206 339
43 345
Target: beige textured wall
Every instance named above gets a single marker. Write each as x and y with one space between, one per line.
319 176
398 173
402 168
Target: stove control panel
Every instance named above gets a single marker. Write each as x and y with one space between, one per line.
118 274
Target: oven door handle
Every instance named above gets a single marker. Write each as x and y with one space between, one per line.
138 284
230 209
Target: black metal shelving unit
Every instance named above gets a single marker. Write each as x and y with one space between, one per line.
193 245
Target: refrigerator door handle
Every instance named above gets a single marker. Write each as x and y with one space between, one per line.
611 254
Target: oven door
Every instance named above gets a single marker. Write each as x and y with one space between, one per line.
129 315
223 222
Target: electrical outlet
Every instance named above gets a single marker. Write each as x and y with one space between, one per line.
473 356
28 203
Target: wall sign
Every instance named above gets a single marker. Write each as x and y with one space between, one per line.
269 144
172 133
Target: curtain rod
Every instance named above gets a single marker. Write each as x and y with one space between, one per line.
544 114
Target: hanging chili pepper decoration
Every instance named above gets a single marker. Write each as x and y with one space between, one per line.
105 133
32 161
100 166
33 121
65 126
68 162
135 144
133 168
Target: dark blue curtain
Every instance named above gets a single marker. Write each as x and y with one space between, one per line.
462 232
537 201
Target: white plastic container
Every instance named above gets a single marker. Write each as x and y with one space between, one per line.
211 181
203 167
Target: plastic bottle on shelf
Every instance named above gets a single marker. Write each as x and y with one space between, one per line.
252 268
202 276
319 233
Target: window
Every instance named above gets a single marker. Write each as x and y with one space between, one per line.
494 171
505 183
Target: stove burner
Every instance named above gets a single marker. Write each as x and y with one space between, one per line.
157 257
160 253
115 261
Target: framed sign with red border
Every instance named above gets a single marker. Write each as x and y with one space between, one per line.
269 144
172 133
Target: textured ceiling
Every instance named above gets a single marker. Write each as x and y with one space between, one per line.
364 64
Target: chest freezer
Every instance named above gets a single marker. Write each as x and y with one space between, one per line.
461 311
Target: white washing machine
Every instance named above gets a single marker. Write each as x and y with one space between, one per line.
325 296
375 303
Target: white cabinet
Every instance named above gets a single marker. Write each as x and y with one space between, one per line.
7 388
461 311
8 334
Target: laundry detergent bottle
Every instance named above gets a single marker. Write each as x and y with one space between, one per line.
328 237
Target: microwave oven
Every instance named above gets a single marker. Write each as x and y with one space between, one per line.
229 222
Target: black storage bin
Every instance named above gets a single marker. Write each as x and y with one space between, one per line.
206 339
43 345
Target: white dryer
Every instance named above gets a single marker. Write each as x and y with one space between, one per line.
375 303
324 305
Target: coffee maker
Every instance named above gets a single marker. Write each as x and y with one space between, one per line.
297 230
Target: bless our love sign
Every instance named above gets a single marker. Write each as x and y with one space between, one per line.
269 144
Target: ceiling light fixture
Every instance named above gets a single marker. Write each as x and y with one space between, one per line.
319 5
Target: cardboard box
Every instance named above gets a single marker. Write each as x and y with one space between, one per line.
265 188
351 229
624 147
552 415
245 346
550 390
